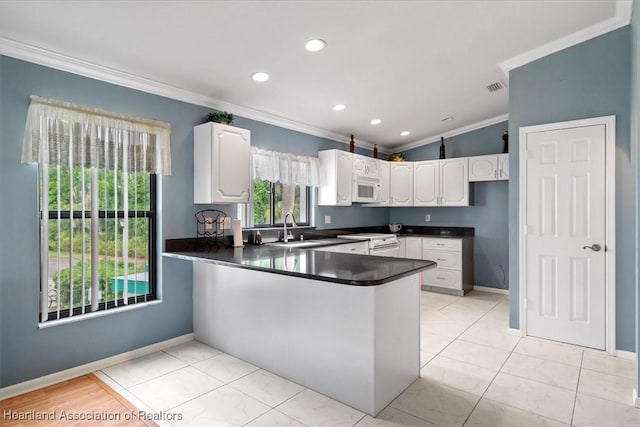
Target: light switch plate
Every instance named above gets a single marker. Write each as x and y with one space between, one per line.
427 218
226 224
327 219
208 223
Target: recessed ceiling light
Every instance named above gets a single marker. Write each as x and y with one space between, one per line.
339 107
404 133
446 119
260 76
315 45
375 122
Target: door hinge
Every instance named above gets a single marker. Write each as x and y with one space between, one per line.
525 303
525 229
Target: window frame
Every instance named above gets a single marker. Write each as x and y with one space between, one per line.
151 214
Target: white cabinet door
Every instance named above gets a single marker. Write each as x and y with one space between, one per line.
383 190
483 168
401 184
365 166
426 183
221 169
336 171
344 178
413 247
454 182
503 166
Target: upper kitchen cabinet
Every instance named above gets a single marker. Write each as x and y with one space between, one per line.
364 166
221 164
493 167
401 184
441 182
382 198
336 177
426 183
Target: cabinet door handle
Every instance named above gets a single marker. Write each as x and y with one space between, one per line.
440 259
495 174
440 278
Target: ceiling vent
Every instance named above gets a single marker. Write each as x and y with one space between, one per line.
499 85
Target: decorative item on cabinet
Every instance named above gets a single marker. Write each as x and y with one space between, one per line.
505 141
375 151
442 155
394 157
352 145
224 118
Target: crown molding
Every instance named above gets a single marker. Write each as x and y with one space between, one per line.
80 67
453 132
621 18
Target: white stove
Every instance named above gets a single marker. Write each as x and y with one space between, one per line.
379 243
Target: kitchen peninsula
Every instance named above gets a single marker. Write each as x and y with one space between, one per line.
344 325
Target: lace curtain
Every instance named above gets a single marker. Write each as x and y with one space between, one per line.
60 133
285 168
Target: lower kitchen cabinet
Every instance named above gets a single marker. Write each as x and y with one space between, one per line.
454 256
358 248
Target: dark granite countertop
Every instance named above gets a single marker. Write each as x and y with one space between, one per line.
348 269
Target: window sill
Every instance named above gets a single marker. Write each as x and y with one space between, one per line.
80 317
279 228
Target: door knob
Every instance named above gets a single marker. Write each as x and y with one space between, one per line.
595 247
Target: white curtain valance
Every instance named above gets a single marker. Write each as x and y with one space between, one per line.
285 168
61 133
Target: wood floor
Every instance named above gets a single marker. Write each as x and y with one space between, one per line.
81 401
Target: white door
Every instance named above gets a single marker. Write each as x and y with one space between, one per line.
565 235
426 183
454 182
401 184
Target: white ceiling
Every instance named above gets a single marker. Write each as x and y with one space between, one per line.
409 63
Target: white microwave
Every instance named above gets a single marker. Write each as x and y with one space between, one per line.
365 190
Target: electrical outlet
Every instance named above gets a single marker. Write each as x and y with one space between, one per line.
226 224
427 218
208 223
327 219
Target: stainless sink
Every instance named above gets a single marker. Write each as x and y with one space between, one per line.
299 243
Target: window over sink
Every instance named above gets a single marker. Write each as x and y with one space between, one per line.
271 201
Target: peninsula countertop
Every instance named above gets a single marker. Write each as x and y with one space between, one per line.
346 269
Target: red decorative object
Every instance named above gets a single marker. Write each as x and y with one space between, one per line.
352 145
375 151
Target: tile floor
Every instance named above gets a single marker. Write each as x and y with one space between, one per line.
475 371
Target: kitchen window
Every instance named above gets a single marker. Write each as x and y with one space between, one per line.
98 214
282 183
271 201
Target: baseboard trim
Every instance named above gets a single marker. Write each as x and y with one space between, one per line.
67 374
492 290
622 354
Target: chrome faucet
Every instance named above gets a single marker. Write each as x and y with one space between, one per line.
287 233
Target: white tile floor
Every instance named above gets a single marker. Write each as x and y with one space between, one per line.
475 372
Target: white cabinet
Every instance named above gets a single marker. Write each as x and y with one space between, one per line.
365 166
493 167
413 247
426 183
401 184
441 182
454 182
382 196
336 178
358 248
221 165
503 166
454 256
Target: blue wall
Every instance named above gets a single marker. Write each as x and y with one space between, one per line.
488 215
635 145
27 352
587 80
